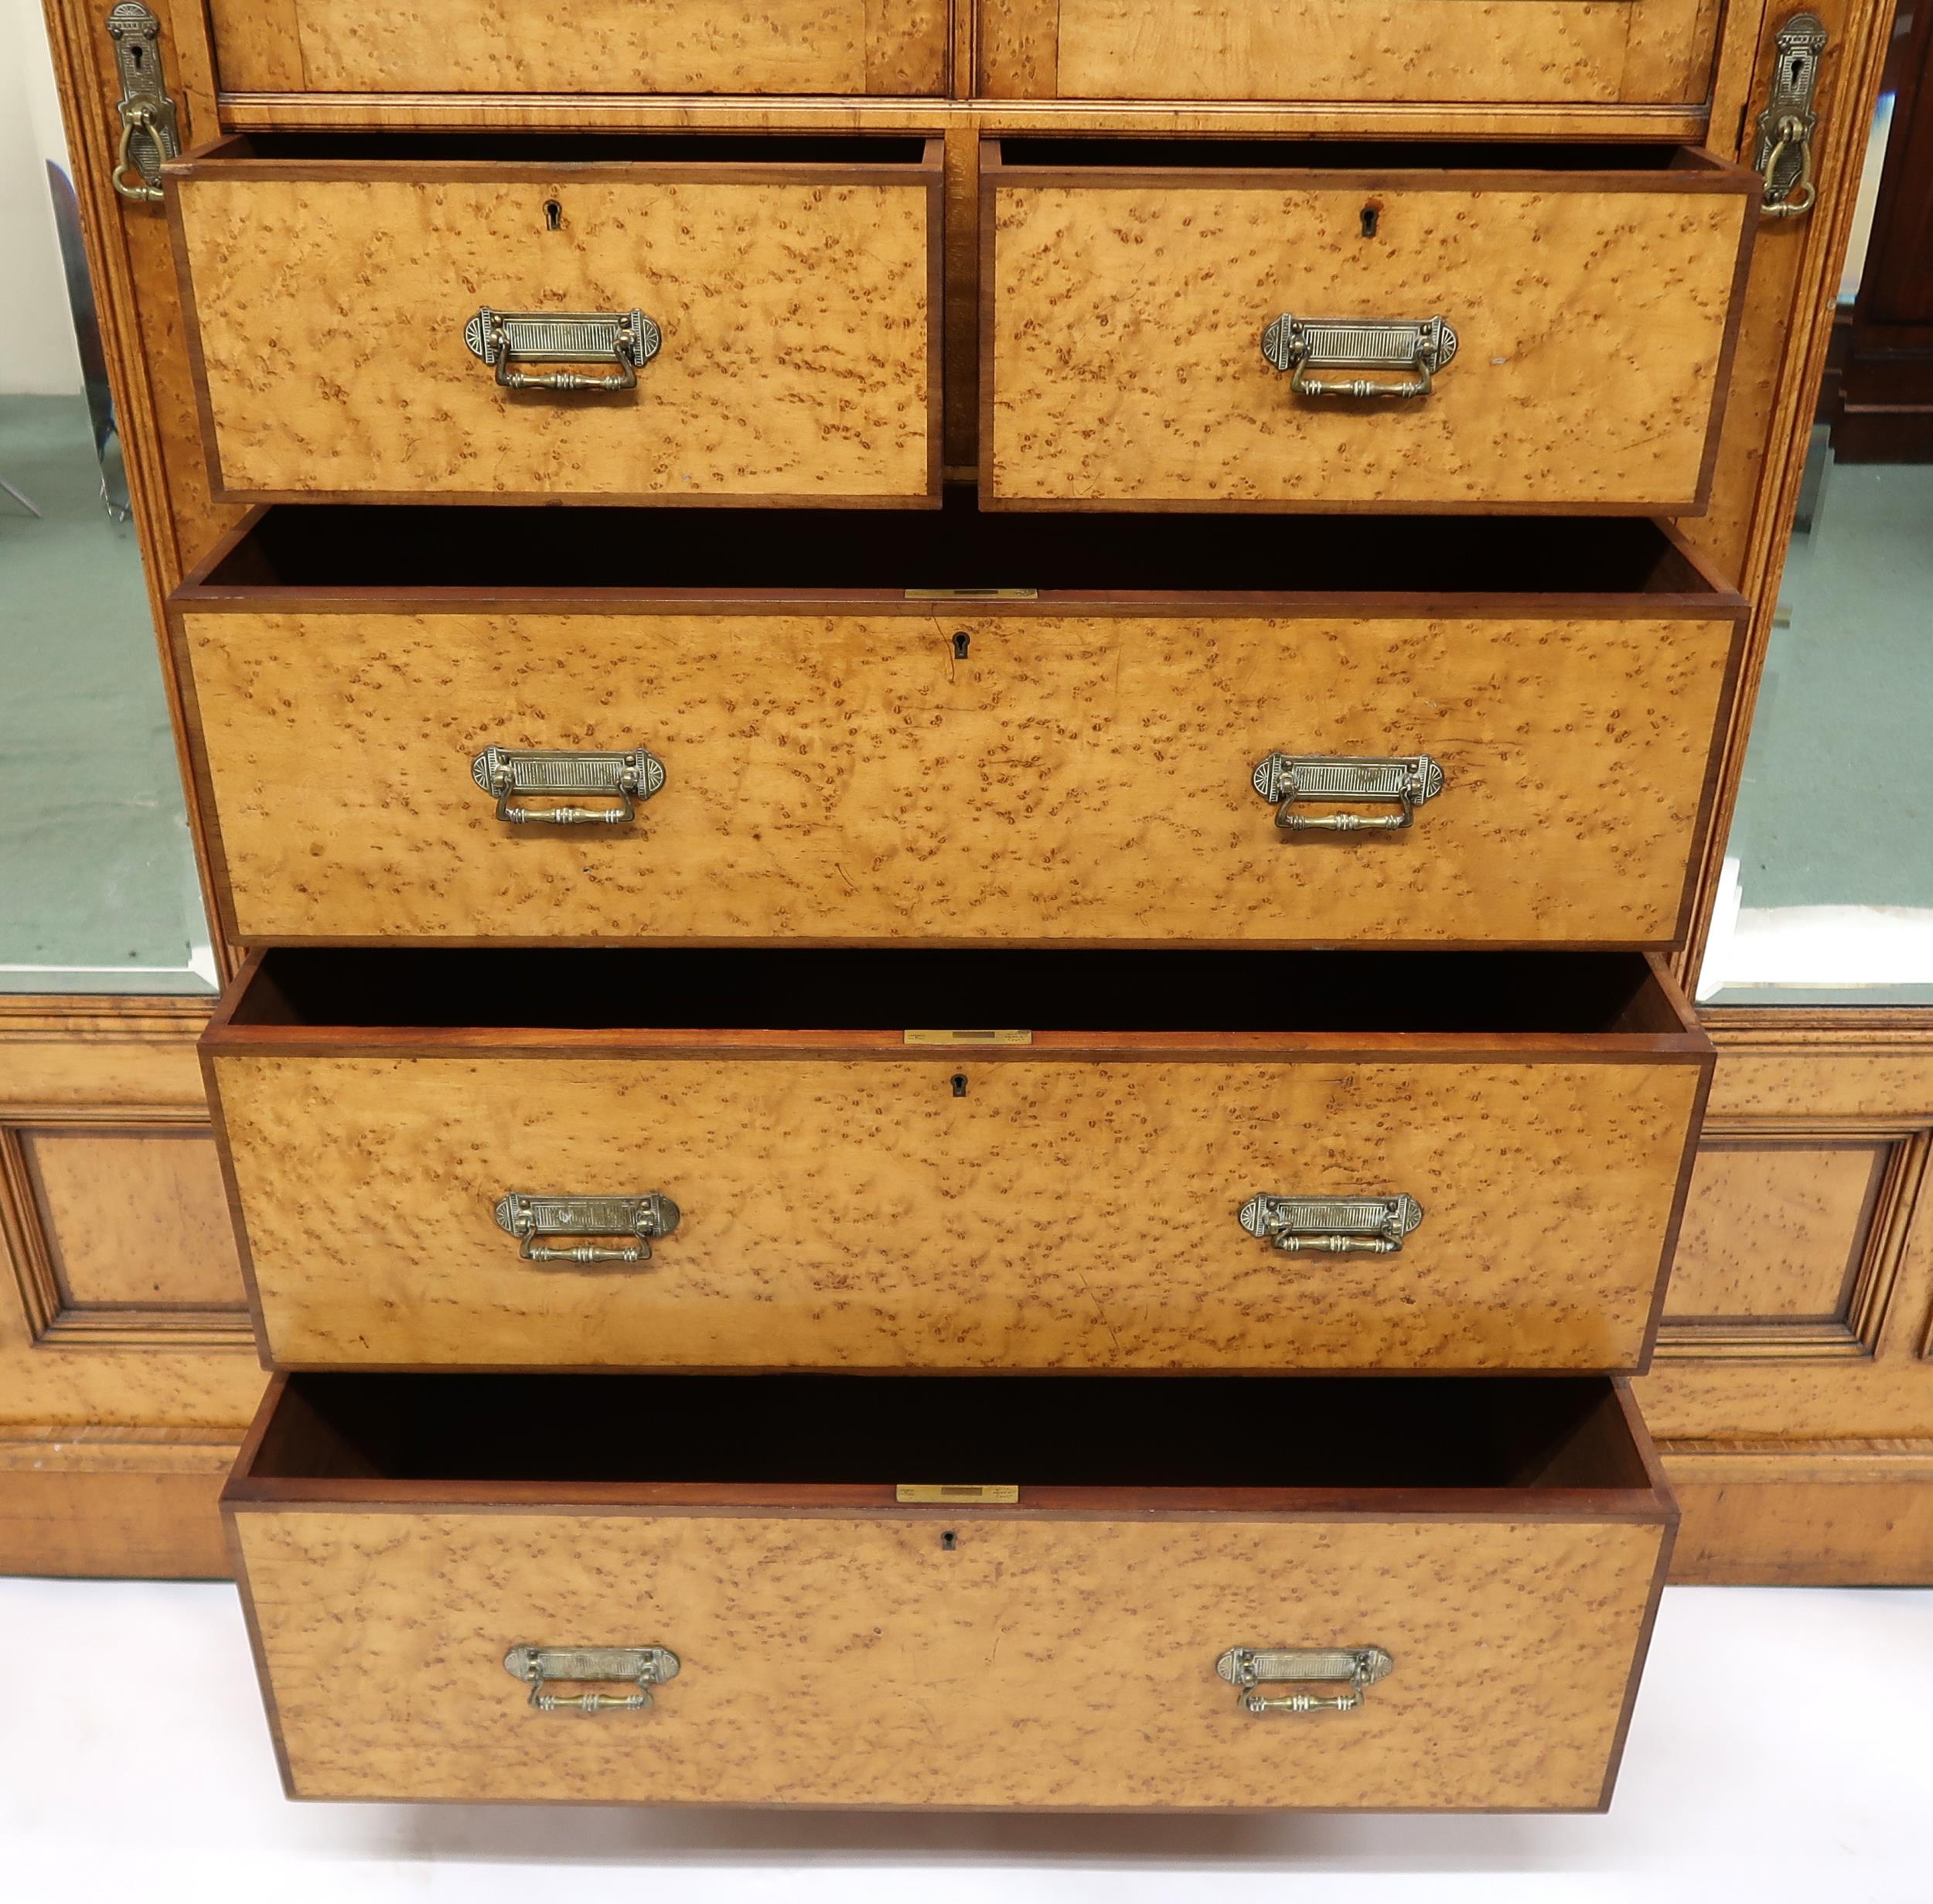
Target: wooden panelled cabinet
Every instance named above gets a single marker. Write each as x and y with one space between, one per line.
1130 838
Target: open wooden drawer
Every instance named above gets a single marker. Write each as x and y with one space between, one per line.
789 1158
1276 325
1410 1593
1514 723
640 317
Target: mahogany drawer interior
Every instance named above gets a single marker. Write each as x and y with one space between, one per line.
891 1591
1394 326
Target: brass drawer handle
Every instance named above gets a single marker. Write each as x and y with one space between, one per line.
149 128
637 1218
1409 779
1331 1225
1783 150
1246 1667
1300 344
516 774
642 1667
505 339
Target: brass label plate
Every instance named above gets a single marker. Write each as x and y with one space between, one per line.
968 1037
972 594
957 1494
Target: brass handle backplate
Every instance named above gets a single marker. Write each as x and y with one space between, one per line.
1414 349
637 1219
1330 1226
505 339
149 131
517 776
1783 150
1407 779
639 1666
1246 1668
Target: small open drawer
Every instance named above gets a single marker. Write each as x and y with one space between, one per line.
1419 1594
638 318
1274 324
955 1160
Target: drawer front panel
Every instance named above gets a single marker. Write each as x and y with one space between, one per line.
1529 53
1593 318
878 47
957 1211
797 323
855 777
840 1660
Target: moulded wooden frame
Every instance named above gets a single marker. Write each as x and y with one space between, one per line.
234 156
1690 169
1614 1425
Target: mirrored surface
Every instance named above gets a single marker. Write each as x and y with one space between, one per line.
1827 896
97 886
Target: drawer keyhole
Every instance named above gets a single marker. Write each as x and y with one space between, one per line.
553 215
959 1083
1370 214
962 642
949 1542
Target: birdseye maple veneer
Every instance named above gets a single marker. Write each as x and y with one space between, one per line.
1570 312
840 758
379 316
1505 1139
1471 1567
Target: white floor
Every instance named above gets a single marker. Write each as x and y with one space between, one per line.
1782 1750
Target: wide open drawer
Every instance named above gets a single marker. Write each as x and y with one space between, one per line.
1265 325
1560 53
386 707
643 318
848 47
792 1159
1459 1576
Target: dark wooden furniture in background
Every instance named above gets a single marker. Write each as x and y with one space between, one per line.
1885 411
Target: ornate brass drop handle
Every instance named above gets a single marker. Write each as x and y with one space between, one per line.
641 1666
1246 1668
1330 1226
1409 779
505 339
516 775
1783 150
1301 346
637 1219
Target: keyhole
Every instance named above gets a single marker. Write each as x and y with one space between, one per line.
949 1542
553 214
959 1083
962 642
1370 214
136 53
1798 66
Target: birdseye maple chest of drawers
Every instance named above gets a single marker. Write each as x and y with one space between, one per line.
964 1093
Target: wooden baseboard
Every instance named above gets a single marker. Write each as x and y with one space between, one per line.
1817 1514
129 1503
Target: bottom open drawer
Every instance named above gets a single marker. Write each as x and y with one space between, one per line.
1416 1593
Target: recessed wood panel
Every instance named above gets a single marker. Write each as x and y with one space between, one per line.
1775 1231
584 46
134 1219
1568 52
